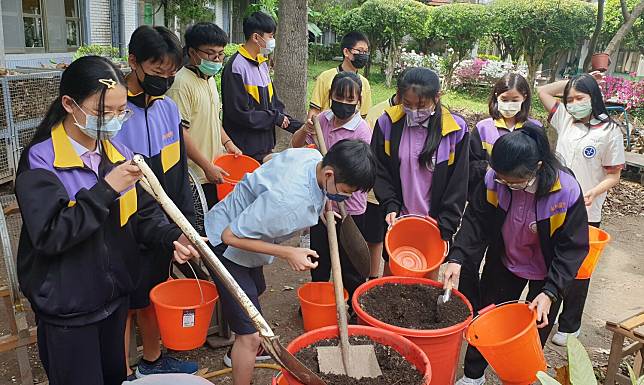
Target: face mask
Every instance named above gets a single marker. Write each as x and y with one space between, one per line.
336 197
270 47
342 110
509 109
109 129
418 117
580 110
210 68
155 85
360 60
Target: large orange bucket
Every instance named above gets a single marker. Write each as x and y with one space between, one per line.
442 346
184 308
412 353
598 240
279 380
414 246
317 300
236 166
507 336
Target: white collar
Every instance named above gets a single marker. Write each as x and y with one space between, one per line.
81 150
351 125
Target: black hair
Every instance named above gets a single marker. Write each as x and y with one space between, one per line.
205 33
352 38
426 84
587 84
258 22
518 154
511 81
79 81
155 43
346 84
353 162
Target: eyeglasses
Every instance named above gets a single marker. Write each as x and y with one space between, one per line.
517 186
213 56
109 115
358 52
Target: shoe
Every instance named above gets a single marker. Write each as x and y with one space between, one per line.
166 365
261 356
131 377
561 338
470 381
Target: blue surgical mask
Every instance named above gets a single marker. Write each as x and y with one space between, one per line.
418 117
108 130
209 67
336 197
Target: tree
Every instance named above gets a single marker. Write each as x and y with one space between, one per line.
598 29
459 26
187 11
503 35
291 57
621 27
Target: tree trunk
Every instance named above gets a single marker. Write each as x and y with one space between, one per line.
291 57
392 54
533 64
625 28
596 33
559 56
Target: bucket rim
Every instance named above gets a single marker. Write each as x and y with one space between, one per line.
245 157
372 321
407 218
345 292
523 331
154 295
606 234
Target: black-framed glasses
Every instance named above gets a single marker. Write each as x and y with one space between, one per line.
218 56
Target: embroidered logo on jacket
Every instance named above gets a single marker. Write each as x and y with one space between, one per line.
590 152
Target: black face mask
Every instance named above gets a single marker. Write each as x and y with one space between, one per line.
360 60
155 85
342 110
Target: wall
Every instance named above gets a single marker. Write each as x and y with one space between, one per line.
131 18
100 22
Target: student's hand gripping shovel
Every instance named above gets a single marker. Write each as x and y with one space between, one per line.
270 341
350 236
355 361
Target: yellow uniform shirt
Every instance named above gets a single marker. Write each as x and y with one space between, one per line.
320 98
199 105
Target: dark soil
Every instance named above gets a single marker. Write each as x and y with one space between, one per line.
395 369
412 306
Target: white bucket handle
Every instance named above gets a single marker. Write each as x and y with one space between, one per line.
196 279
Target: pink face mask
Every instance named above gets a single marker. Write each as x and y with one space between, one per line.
418 117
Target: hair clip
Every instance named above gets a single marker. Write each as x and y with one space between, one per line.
109 83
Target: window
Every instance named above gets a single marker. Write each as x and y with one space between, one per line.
33 25
73 23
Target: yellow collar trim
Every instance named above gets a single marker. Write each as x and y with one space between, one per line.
112 153
500 123
132 95
397 112
260 58
557 186
66 157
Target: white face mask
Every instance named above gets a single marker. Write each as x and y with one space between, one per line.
509 109
270 47
580 110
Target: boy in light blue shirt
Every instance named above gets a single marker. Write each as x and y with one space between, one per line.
267 207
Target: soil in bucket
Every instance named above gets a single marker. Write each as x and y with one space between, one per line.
412 306
395 368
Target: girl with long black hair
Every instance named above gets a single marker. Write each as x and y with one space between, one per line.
83 221
530 215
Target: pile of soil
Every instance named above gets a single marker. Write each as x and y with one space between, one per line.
395 369
412 306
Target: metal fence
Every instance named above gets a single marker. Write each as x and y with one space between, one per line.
25 100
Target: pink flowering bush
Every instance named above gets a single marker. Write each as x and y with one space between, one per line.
624 91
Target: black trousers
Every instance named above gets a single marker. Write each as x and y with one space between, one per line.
469 281
499 285
91 354
210 191
351 278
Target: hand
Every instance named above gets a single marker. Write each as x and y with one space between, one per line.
599 77
300 258
323 217
267 158
183 249
391 218
231 148
589 197
215 174
286 122
123 176
542 303
452 273
309 127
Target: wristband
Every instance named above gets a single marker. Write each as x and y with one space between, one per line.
226 142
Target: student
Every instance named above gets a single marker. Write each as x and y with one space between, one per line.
509 106
422 152
355 49
195 92
280 198
592 146
342 121
82 218
529 213
154 131
252 109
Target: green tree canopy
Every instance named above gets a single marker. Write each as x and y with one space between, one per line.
613 19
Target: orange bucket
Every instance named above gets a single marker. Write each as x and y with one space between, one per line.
507 336
598 240
317 300
184 308
442 346
279 380
414 246
236 166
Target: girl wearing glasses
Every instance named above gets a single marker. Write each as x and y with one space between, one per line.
530 215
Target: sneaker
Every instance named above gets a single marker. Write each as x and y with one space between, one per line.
261 356
166 365
470 381
561 338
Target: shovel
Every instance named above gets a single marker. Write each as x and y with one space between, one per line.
270 341
442 300
350 236
355 361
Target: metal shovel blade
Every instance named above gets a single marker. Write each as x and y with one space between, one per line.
442 300
354 245
364 362
286 360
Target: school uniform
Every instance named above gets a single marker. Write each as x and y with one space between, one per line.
321 100
272 204
539 241
251 109
591 151
484 135
75 261
356 205
405 186
154 131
